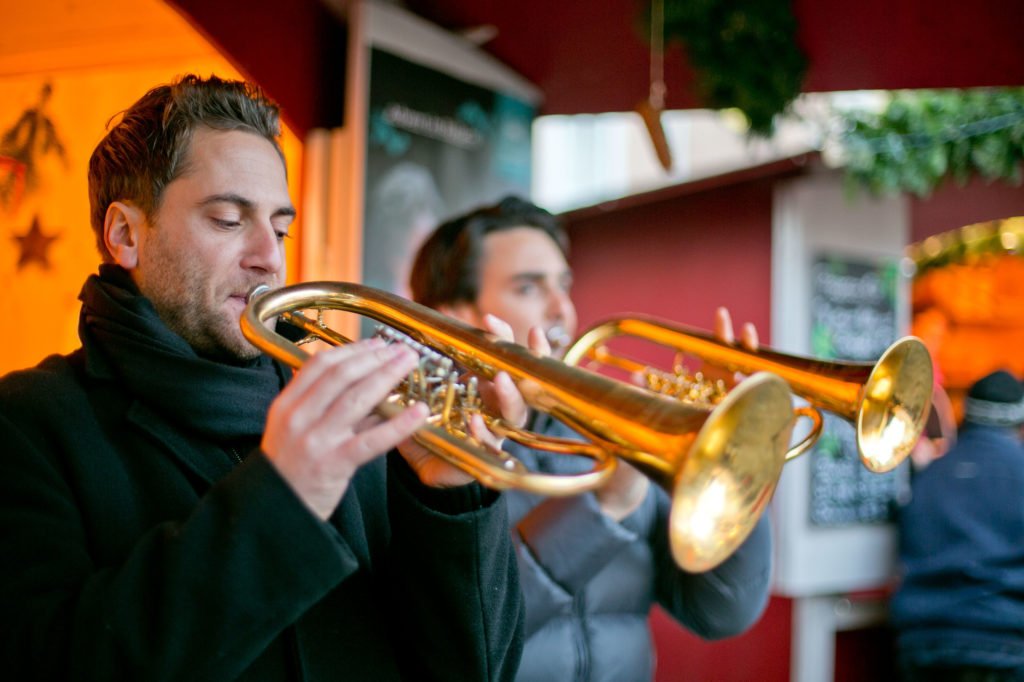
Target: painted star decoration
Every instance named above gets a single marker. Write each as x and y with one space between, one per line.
34 246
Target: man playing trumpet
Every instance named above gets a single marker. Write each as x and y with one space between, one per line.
174 508
591 566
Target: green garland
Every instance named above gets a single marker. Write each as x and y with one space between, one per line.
744 54
923 137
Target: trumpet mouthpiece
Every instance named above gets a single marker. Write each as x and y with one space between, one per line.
256 292
558 338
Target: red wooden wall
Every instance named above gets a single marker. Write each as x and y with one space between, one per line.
678 258
681 257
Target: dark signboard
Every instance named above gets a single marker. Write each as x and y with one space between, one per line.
853 317
437 146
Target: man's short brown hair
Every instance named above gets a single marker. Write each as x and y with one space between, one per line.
447 267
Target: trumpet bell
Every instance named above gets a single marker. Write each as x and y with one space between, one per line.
723 487
894 405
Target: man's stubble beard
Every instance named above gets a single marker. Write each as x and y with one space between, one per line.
209 336
207 333
172 289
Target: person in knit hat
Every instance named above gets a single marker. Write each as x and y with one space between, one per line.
958 613
996 400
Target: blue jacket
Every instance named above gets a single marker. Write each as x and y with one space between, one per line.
961 601
590 582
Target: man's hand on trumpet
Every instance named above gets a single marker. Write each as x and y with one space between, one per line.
500 396
724 332
321 429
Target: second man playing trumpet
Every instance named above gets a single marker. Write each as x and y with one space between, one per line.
591 566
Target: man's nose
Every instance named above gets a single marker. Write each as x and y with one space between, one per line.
560 306
263 249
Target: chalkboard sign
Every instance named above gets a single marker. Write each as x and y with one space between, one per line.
853 317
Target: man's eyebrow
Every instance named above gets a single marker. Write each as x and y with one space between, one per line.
236 199
527 277
531 276
244 203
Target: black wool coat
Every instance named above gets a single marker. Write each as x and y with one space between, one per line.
131 550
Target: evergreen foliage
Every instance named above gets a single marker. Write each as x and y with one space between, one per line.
925 136
744 54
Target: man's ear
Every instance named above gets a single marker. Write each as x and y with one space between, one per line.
121 228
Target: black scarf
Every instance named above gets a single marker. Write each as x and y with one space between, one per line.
216 400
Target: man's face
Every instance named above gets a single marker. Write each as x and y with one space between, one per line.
525 281
219 231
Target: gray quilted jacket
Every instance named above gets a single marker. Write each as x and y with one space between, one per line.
589 582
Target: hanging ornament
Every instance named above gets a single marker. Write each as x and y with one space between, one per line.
650 109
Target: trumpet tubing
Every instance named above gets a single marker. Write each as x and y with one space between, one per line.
887 400
721 465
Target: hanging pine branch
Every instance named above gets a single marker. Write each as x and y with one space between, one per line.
923 137
744 54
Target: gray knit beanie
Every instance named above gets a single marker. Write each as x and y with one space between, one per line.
996 400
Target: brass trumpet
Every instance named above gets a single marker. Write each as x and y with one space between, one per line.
721 465
887 400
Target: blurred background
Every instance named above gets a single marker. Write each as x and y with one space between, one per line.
840 174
